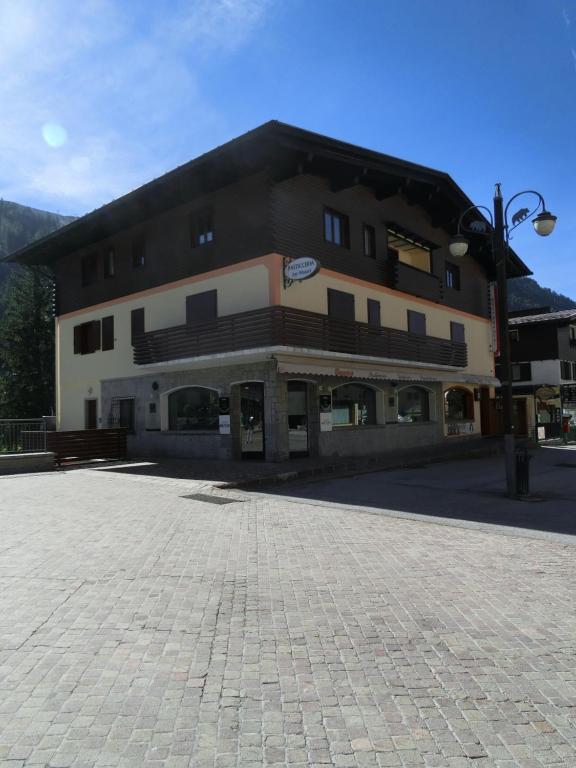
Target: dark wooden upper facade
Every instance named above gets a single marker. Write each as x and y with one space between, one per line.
543 337
267 191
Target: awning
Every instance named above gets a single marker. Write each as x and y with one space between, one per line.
383 374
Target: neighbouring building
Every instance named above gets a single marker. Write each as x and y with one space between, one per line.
543 354
174 317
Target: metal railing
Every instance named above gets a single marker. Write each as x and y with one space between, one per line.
22 435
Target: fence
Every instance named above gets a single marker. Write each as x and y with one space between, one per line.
87 444
22 435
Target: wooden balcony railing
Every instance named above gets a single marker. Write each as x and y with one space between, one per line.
284 326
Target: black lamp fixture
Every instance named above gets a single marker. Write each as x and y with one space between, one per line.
499 232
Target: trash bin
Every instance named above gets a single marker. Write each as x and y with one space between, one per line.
523 472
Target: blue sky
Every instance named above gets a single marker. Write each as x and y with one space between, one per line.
100 96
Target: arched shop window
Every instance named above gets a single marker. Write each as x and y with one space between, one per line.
458 404
413 404
193 408
353 405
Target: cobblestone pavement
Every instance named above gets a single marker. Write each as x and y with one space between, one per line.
139 628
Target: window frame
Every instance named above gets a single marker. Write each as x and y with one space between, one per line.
202 227
369 239
452 276
139 248
137 323
107 333
109 262
357 420
374 313
427 410
468 406
455 332
213 416
344 227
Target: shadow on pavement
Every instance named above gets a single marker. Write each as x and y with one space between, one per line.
471 491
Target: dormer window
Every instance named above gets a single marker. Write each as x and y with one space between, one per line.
409 250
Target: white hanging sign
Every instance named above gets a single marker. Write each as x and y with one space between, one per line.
301 269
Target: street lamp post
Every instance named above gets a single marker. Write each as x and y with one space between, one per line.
499 233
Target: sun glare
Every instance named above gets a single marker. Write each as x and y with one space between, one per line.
54 135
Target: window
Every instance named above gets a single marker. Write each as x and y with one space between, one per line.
123 413
374 313
336 229
573 335
193 408
201 306
457 333
521 371
201 227
109 263
459 404
409 251
514 334
452 276
413 405
369 241
353 405
89 269
136 323
87 338
565 369
107 333
138 252
417 322
341 304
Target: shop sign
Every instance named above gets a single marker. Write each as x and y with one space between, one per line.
569 394
547 393
300 269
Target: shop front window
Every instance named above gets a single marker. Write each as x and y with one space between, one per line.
459 405
353 405
193 408
413 405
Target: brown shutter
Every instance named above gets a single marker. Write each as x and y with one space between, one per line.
108 333
201 306
457 333
341 305
93 336
137 323
77 339
417 322
374 313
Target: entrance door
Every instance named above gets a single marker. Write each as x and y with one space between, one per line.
90 414
298 418
252 419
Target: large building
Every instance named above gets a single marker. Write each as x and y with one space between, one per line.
175 317
543 353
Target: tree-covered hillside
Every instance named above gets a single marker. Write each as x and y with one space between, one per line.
20 225
524 292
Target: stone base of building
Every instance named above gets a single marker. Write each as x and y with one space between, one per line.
269 415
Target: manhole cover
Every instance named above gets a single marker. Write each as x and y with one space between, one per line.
210 499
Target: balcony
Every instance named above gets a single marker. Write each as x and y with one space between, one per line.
287 327
411 280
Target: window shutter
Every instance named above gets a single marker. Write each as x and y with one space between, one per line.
341 305
108 333
77 339
417 322
457 333
93 336
136 323
201 306
374 313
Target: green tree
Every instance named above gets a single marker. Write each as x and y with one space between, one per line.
27 345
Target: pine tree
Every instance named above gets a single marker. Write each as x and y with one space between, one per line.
27 345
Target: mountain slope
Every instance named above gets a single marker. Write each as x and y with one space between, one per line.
20 225
524 293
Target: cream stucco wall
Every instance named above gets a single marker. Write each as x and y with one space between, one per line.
312 295
79 376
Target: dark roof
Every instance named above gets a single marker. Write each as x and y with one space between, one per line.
286 150
565 316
